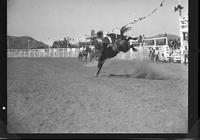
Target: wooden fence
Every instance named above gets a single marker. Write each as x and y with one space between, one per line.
61 52
142 53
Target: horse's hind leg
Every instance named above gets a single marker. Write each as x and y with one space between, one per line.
90 57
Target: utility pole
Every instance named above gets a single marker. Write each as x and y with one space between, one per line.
28 44
67 42
49 42
115 31
28 49
179 8
49 46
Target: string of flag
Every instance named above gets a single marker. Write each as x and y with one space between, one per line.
142 18
139 19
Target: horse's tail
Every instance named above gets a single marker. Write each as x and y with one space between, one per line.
123 30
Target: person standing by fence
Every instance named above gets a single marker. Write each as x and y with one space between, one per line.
185 54
156 53
151 53
162 58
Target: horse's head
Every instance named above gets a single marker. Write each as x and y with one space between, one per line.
133 48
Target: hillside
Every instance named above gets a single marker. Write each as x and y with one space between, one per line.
22 43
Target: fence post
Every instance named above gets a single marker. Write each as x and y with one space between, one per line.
63 51
140 51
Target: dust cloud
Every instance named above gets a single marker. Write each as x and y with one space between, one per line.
143 69
138 69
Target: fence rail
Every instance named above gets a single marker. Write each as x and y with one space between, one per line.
142 53
43 52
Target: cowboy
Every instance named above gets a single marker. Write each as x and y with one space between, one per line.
98 43
107 41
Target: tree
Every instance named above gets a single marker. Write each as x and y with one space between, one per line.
174 43
55 44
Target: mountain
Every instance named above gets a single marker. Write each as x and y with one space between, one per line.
22 43
169 36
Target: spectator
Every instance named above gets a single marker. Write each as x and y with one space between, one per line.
151 53
156 55
162 58
185 53
170 56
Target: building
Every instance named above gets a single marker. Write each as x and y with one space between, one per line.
183 31
155 42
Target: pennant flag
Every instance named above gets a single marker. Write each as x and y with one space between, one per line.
142 18
154 10
126 25
133 22
162 3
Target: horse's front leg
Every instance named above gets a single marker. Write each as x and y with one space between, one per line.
100 64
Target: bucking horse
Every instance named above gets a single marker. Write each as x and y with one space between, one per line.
121 44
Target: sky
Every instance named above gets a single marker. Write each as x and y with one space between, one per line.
50 20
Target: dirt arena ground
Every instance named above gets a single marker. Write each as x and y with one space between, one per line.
62 95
